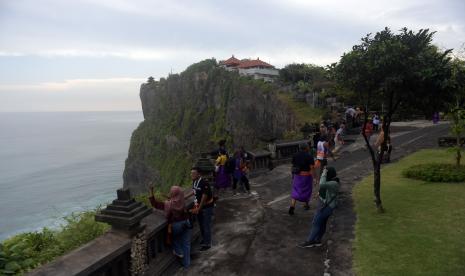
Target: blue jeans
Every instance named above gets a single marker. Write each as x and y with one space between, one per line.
319 223
205 224
182 241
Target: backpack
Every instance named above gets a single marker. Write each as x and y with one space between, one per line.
230 165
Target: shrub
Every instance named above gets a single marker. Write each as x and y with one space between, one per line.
434 172
26 251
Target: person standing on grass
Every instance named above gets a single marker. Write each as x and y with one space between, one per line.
329 187
178 218
302 180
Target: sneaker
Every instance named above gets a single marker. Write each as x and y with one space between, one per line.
309 244
204 248
291 210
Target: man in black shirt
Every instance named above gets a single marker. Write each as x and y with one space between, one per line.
203 207
302 180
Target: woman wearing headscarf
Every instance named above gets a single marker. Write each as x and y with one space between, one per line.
329 187
178 217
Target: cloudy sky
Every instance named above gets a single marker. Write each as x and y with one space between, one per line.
70 55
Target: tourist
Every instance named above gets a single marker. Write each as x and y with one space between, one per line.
323 129
322 152
178 221
240 172
302 181
385 147
435 117
368 129
223 178
329 187
203 207
376 122
339 138
350 116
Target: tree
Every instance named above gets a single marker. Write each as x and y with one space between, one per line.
394 69
458 128
457 112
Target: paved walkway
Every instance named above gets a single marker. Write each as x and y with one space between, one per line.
254 235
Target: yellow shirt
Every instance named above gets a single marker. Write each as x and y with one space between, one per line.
221 160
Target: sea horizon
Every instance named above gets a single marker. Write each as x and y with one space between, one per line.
54 163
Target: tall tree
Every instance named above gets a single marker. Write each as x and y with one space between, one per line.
394 69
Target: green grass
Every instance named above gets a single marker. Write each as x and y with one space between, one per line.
303 112
423 229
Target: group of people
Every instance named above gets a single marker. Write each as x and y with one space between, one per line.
233 169
304 167
309 169
180 220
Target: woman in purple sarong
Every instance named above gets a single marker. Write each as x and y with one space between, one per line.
302 180
223 179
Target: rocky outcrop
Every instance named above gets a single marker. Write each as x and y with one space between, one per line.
187 113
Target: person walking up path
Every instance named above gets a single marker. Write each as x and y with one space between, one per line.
302 180
322 152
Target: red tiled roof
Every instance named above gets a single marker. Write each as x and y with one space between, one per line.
232 61
254 63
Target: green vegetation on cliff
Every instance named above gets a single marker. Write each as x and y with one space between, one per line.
188 113
302 111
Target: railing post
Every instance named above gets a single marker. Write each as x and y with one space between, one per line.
124 215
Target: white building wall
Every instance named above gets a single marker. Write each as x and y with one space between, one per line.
267 74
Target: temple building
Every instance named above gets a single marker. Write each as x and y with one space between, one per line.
251 67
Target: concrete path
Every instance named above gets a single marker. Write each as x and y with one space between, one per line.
254 235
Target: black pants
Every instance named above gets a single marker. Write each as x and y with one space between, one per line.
244 181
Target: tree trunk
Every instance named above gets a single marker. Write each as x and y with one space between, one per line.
458 157
377 182
376 169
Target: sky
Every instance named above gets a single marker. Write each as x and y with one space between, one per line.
93 55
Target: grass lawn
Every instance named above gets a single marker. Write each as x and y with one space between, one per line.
304 113
423 229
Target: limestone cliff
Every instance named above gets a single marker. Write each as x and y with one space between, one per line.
188 113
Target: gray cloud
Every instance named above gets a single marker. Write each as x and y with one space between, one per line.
65 40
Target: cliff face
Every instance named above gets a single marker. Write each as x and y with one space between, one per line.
188 113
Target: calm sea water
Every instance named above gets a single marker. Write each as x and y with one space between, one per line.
55 163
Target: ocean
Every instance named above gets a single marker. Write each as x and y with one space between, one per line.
56 163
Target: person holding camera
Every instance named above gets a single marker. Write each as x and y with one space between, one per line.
178 222
329 187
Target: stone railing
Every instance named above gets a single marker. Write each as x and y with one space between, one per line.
134 246
285 150
136 243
